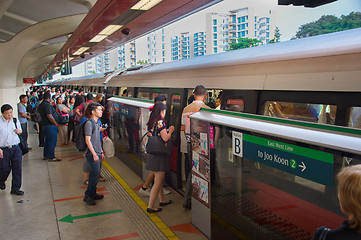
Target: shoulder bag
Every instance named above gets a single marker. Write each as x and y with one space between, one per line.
108 146
156 145
22 144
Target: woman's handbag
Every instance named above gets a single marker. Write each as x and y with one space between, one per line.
63 118
108 146
156 145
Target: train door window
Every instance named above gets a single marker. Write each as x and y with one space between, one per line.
175 108
319 113
355 117
235 104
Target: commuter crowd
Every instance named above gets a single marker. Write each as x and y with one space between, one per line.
68 116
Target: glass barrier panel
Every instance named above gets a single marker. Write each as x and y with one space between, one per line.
275 189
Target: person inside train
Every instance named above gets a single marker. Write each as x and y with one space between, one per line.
349 196
158 164
200 93
93 153
145 189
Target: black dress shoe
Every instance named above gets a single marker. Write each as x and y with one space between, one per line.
17 192
30 148
154 211
98 197
89 200
2 186
165 203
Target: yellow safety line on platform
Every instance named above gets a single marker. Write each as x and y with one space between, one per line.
160 224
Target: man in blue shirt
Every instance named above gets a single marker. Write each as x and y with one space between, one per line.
10 152
23 118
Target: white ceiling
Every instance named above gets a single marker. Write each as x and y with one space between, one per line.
16 15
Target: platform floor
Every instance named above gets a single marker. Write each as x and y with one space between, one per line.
52 207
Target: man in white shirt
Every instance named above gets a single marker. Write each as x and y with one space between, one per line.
200 93
10 152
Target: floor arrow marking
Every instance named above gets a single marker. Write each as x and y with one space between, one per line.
70 218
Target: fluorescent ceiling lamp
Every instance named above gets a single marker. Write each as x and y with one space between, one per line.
110 29
81 50
145 4
98 38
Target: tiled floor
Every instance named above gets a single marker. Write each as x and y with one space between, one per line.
53 190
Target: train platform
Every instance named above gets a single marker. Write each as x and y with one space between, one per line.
52 207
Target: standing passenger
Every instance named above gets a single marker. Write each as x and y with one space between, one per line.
158 164
94 152
10 152
49 119
63 128
200 93
23 119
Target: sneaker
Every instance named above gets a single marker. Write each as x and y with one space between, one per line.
166 192
89 201
144 193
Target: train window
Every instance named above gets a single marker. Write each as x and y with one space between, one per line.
144 95
355 117
319 113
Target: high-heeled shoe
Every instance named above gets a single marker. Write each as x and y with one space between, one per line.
154 211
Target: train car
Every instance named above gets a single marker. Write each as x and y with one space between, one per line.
315 80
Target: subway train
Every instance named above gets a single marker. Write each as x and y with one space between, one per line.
315 80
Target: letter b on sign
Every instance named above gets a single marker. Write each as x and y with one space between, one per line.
237 144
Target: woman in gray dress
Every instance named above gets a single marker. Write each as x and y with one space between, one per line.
158 164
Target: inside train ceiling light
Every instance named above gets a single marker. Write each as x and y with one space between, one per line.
145 4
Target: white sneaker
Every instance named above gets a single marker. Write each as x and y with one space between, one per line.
144 193
165 191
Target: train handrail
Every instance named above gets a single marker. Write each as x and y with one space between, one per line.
132 101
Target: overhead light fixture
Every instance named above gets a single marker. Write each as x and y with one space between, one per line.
98 38
81 50
110 29
145 4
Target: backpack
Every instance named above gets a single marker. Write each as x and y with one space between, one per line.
35 115
80 136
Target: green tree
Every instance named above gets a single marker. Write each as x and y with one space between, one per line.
141 62
277 36
329 24
244 43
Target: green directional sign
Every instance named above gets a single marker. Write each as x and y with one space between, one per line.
70 218
308 163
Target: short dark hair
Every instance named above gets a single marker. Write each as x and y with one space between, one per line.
47 95
22 96
125 91
200 90
160 98
5 107
89 96
80 90
90 108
